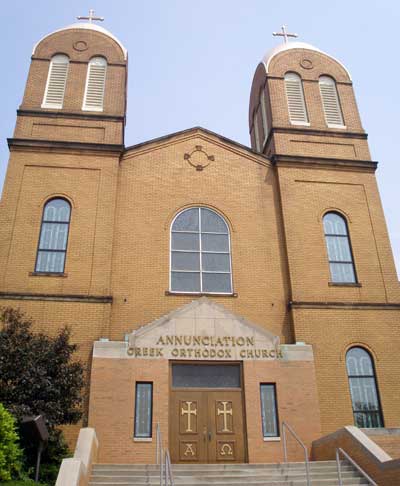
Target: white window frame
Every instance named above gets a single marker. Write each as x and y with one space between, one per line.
332 82
53 60
94 108
200 251
306 122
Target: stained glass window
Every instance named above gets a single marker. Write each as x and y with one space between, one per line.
143 410
269 415
339 250
364 394
53 236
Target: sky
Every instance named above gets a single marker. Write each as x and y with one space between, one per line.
192 62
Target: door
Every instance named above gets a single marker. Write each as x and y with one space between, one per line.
206 424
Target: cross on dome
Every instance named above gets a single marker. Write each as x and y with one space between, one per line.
91 17
284 34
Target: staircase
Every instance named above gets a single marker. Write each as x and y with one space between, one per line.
323 473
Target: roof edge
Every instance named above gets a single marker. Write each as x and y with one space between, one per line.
296 45
87 26
200 129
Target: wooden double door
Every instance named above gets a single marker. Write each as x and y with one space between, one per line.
207 426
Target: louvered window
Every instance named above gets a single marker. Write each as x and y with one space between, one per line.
264 116
56 81
295 98
257 132
95 83
330 102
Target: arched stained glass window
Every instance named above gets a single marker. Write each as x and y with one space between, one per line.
200 252
339 250
364 394
53 236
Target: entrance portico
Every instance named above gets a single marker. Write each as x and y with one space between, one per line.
218 386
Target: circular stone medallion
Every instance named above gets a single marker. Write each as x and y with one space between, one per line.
80 46
306 64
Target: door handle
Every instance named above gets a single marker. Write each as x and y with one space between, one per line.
209 436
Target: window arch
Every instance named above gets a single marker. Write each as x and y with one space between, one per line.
363 388
200 252
330 102
56 81
295 99
95 84
338 246
53 238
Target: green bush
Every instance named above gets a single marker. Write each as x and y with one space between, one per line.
10 452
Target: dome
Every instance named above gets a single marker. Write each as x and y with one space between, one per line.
88 26
294 45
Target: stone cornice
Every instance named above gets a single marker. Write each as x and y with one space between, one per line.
57 144
69 114
292 160
90 299
344 305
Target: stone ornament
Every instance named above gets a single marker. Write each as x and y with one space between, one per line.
207 158
80 46
306 64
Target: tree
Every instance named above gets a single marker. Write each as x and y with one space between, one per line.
39 376
10 452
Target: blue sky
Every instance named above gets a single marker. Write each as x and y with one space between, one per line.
192 62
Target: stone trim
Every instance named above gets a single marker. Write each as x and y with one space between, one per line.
93 299
319 132
289 160
69 114
200 294
97 147
344 305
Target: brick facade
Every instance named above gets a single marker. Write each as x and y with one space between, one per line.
123 202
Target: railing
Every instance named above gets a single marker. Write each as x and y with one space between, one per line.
339 451
287 426
163 460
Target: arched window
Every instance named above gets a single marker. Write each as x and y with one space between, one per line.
295 99
330 102
56 81
53 236
364 394
200 252
95 83
339 250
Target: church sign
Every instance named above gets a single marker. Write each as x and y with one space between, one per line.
203 330
205 347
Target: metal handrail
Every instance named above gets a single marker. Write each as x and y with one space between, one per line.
159 452
163 460
287 426
169 478
339 451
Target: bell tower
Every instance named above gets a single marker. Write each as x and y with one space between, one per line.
76 89
302 105
67 144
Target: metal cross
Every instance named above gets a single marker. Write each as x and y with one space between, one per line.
189 412
91 17
284 34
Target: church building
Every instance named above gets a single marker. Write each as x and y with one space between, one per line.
216 291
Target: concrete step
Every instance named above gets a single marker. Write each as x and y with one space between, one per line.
323 473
